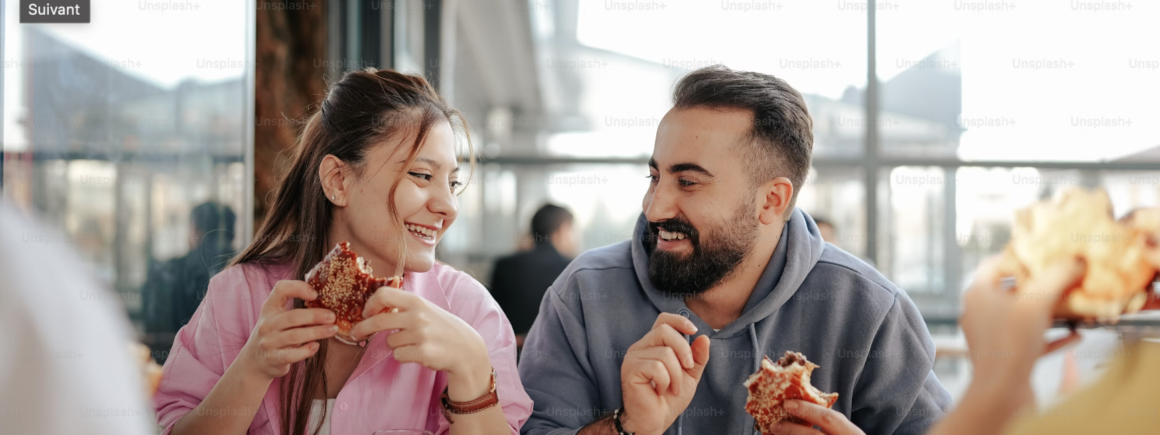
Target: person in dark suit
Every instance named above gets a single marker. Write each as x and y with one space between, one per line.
519 281
174 288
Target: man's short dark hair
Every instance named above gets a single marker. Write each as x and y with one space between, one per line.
547 220
782 135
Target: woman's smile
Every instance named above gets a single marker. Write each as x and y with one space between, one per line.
426 234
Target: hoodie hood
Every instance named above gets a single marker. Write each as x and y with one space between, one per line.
783 274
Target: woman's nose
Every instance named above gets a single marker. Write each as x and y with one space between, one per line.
443 202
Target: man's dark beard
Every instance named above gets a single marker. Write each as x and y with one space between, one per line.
722 251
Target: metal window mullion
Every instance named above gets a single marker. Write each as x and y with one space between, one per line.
870 162
432 41
3 7
248 91
952 255
334 41
353 41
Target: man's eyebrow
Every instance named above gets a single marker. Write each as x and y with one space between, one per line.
689 167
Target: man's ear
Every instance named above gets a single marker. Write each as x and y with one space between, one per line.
336 179
775 196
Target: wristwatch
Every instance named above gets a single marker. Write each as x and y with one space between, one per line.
470 407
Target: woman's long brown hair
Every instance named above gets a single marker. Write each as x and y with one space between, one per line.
366 108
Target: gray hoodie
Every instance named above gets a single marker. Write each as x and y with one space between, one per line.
866 334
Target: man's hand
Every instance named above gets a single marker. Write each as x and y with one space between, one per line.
830 421
660 374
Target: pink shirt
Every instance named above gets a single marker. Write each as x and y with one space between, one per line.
381 393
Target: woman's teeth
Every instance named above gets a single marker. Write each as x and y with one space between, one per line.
423 232
671 235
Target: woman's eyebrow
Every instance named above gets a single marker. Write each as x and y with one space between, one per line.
434 163
426 160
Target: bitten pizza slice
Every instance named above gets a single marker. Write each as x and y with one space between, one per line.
344 282
774 383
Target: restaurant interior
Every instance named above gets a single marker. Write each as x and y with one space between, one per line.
933 123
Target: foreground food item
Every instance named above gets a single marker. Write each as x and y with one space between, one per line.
344 281
775 383
150 370
1079 223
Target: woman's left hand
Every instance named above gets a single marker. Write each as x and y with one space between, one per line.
430 336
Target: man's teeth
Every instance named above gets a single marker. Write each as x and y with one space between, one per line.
671 235
427 233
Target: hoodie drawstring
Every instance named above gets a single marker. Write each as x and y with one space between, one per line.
681 416
756 366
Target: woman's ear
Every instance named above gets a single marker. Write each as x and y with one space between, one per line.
335 177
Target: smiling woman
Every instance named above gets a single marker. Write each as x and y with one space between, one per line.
376 167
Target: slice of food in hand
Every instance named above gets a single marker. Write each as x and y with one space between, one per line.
344 282
774 383
1079 224
150 371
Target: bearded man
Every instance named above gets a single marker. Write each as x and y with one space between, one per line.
658 334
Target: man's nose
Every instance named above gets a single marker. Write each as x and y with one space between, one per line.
661 206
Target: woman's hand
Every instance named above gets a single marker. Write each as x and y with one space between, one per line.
286 336
1004 327
1152 254
430 336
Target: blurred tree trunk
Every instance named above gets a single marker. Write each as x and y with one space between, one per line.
289 84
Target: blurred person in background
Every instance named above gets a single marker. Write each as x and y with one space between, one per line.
830 235
375 166
721 259
65 366
825 228
519 281
173 289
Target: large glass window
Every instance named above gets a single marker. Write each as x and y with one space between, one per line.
970 118
1019 81
628 79
133 144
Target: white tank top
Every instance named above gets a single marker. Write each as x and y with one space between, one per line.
315 410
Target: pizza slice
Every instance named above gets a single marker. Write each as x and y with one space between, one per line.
344 282
1079 224
774 383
